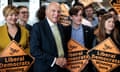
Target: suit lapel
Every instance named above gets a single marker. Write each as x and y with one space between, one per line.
85 31
49 33
60 30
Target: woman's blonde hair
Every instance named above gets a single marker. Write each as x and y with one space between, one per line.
10 10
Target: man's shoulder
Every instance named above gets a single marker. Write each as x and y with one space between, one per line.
87 27
28 25
40 22
39 25
86 22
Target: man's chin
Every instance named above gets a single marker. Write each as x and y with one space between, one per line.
55 21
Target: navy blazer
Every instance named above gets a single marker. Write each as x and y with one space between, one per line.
43 47
88 39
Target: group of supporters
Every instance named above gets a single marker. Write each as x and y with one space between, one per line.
47 39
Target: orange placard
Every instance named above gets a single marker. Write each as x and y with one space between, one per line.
64 18
64 9
86 2
116 5
77 56
105 56
14 59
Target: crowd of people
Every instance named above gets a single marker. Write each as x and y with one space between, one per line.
47 39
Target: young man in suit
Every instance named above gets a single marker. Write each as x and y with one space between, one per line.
48 49
79 32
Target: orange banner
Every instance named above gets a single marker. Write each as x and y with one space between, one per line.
86 2
14 59
64 18
105 56
116 5
77 56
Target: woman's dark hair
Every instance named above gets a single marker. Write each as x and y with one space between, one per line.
101 34
101 12
41 13
74 10
112 9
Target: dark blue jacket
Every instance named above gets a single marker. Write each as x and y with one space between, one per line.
43 47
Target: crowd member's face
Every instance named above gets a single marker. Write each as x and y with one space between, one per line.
11 18
77 18
109 24
53 12
89 12
23 14
114 15
112 12
99 18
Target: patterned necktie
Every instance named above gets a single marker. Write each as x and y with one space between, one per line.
58 41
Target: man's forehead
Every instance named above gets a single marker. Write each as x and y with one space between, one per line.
54 8
53 4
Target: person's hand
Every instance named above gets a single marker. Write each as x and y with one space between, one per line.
61 61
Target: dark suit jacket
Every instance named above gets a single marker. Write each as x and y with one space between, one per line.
88 35
43 47
28 27
88 39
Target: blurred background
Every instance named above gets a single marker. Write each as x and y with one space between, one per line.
34 5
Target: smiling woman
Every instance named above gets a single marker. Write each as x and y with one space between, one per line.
12 31
107 28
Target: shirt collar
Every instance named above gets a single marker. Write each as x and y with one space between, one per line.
50 22
80 27
93 18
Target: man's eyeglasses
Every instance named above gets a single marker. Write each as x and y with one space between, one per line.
24 12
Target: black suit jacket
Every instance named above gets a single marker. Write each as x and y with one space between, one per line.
88 35
43 47
88 39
